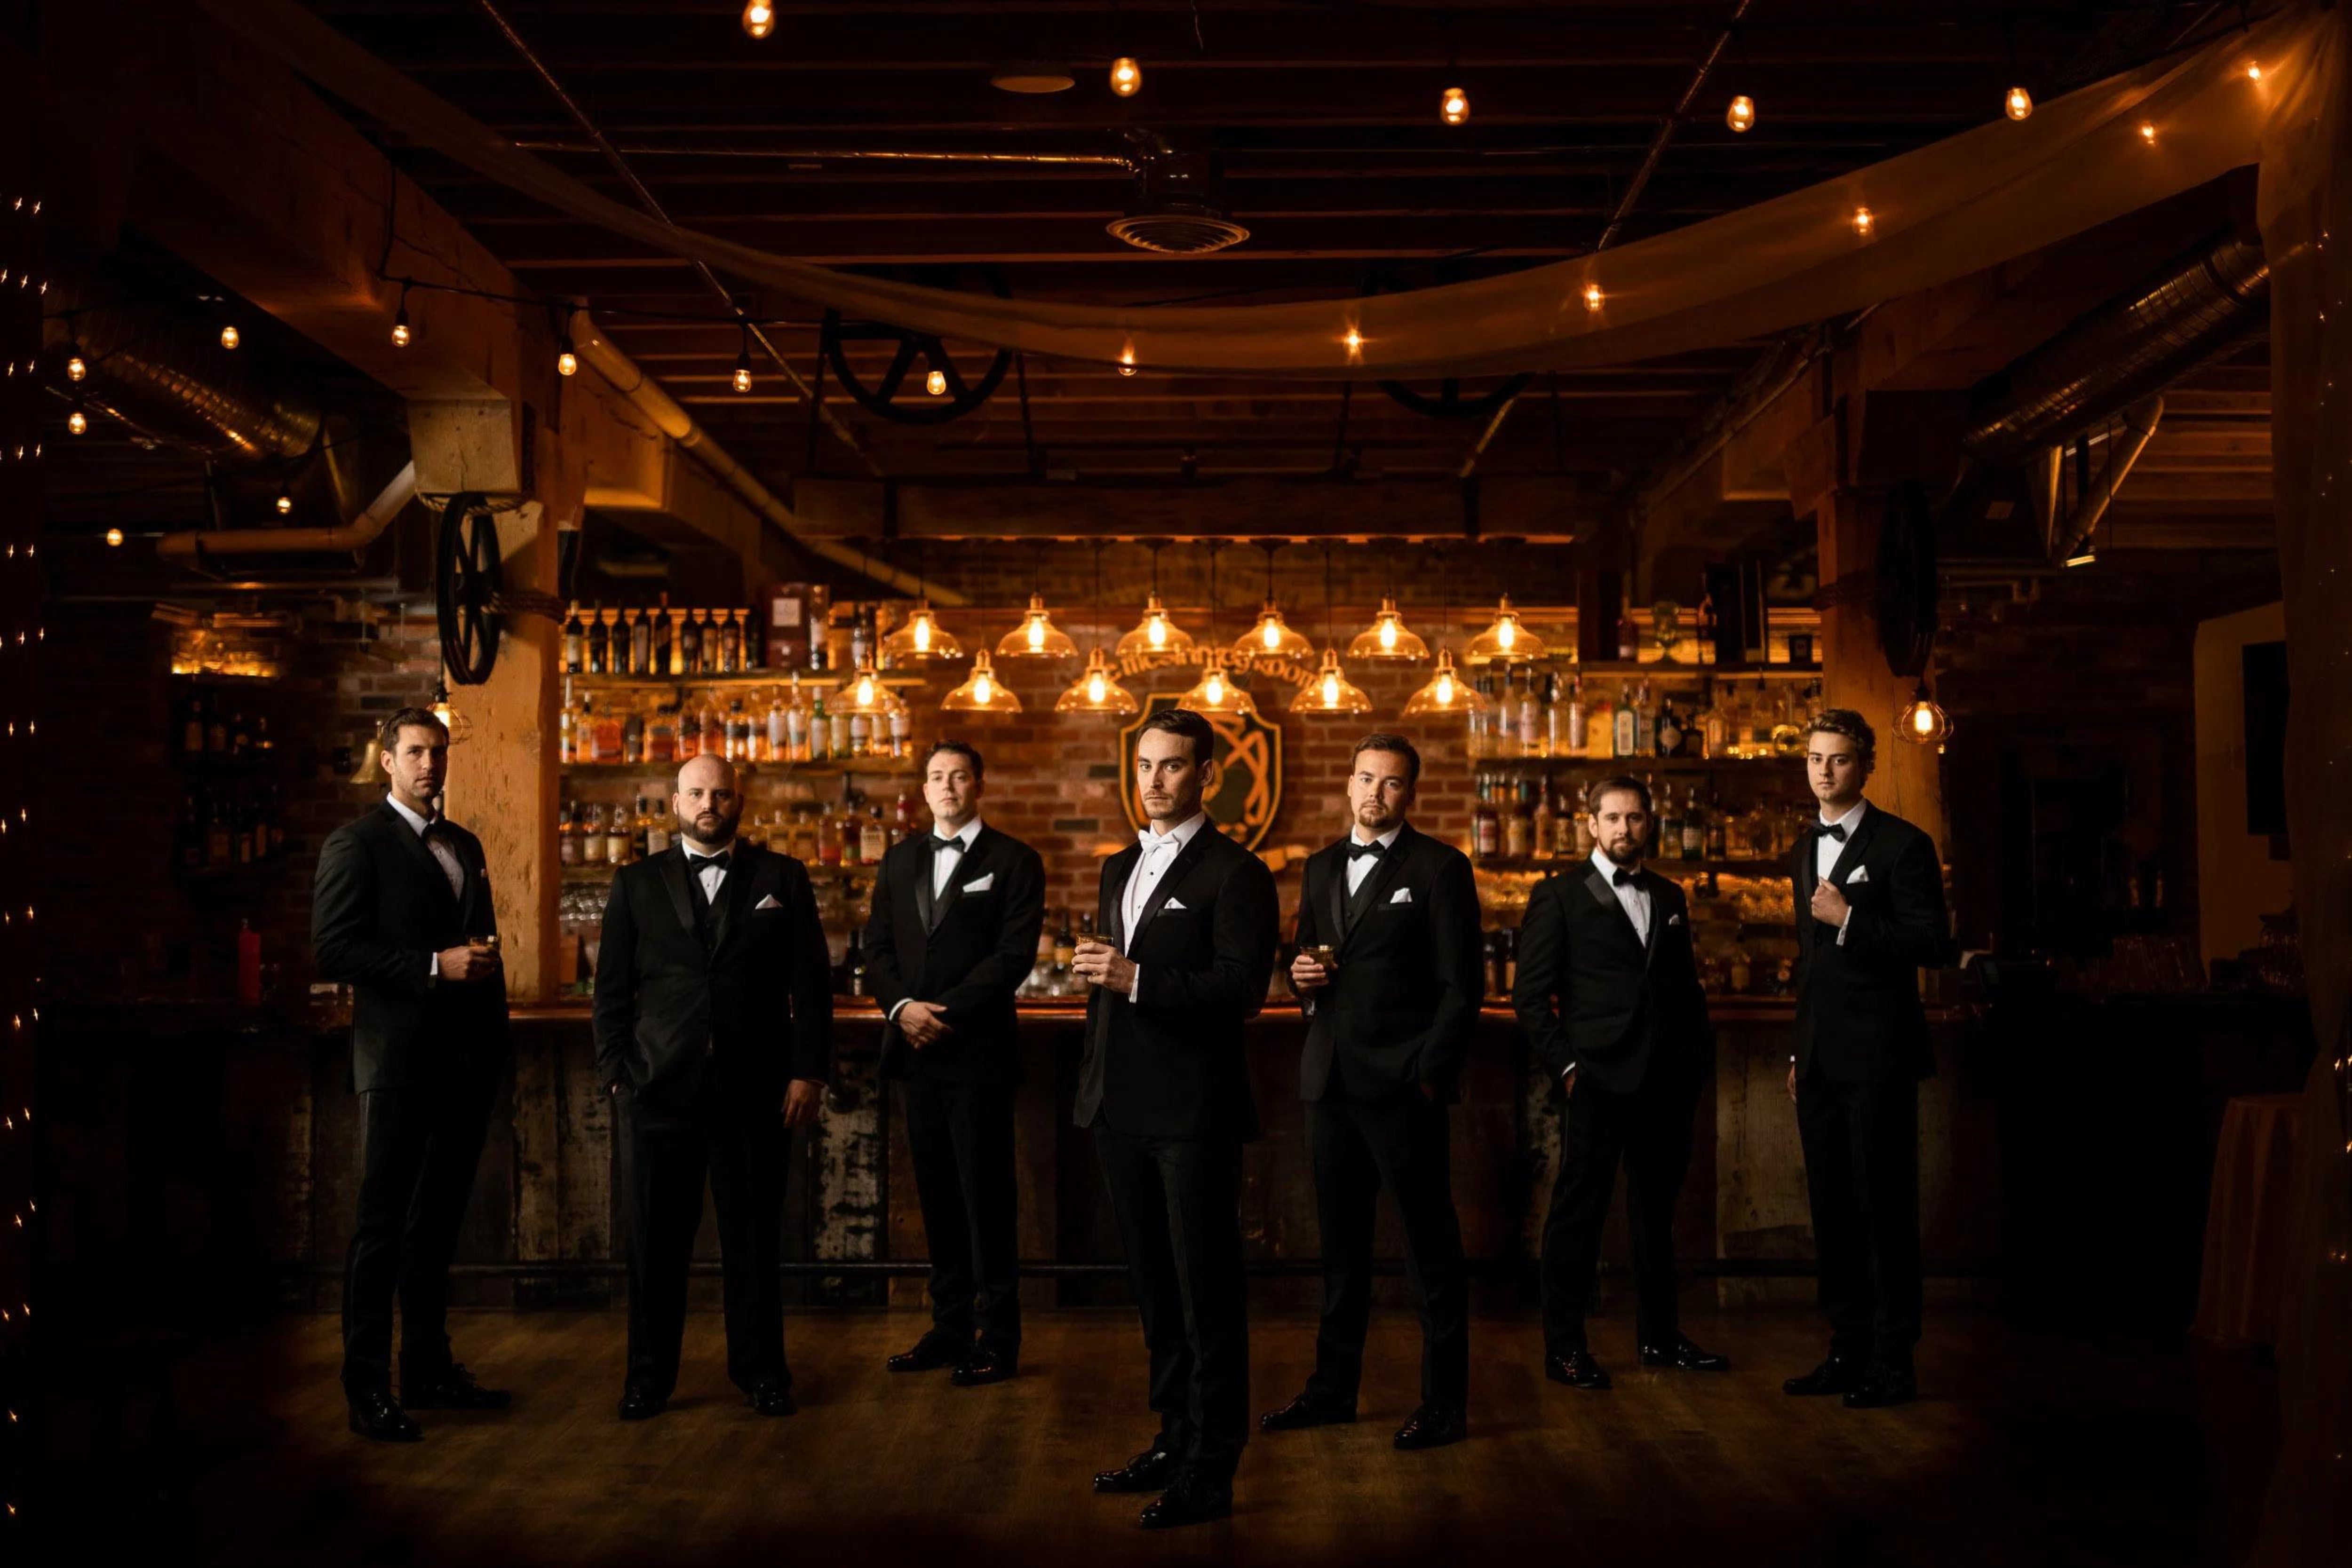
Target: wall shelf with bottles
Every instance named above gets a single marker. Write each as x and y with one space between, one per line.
1739 765
814 685
848 768
1676 668
1671 867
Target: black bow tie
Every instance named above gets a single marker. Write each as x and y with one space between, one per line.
939 844
1356 851
1832 830
1621 876
701 863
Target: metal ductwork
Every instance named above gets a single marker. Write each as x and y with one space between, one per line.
1178 207
2198 306
354 535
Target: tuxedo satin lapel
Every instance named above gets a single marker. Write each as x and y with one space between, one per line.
926 900
1605 894
1386 869
967 866
413 843
1168 879
734 894
681 898
1335 896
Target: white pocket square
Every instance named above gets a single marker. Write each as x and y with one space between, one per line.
1403 895
980 884
1173 903
768 902
1674 920
1861 873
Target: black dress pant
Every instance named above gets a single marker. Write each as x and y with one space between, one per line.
418 1150
960 1136
1177 1203
1862 1173
1649 1131
742 1153
1358 1146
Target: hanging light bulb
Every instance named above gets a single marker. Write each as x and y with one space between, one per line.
1593 298
981 692
1155 633
2147 130
1332 692
1125 76
862 692
1215 693
1127 359
1446 694
1453 106
77 368
2018 103
1863 222
1923 721
285 501
567 361
1388 637
1273 638
744 371
230 337
76 422
759 19
1741 115
114 538
1098 690
399 334
1505 641
921 638
1354 341
936 383
2254 73
1036 637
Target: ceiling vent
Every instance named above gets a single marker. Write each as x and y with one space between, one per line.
1178 207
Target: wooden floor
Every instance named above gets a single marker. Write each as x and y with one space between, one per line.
2025 1450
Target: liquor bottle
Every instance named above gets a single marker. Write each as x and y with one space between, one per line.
661 734
818 630
1629 643
641 830
675 664
608 735
657 833
779 737
1714 732
641 642
1584 822
902 731
1706 626
1508 941
1574 740
600 642
873 841
1694 826
861 735
1627 725
731 643
837 736
853 837
617 836
192 729
796 726
1716 843
592 837
820 732
1645 722
1564 820
853 965
1065 943
1518 839
1543 825
1474 742
909 823
739 733
660 629
1486 825
754 656
828 840
690 733
567 736
1531 718
575 642
689 643
1671 733
1668 843
861 635
633 736
714 732
567 835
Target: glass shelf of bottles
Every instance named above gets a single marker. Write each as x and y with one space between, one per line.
612 728
1656 716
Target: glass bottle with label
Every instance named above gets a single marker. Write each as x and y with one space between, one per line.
714 731
689 643
874 839
1542 827
1518 839
618 836
641 829
633 736
1531 718
690 733
902 731
592 837
731 643
1627 725
576 641
1695 827
796 726
641 641
820 732
657 821
838 737
608 734
600 642
739 733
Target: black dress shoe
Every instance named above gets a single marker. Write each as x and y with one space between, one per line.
642 1405
1434 1425
1303 1412
1680 1353
378 1415
983 1367
931 1352
1189 1500
1882 1387
1835 1374
452 1390
1150 1471
770 1396
1577 1369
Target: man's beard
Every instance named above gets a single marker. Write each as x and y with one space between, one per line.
689 830
1630 856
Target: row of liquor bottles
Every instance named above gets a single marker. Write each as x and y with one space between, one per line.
795 726
208 730
219 829
1536 713
857 833
1732 968
1523 819
801 630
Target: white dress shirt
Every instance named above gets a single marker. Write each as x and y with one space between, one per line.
944 862
1826 850
1160 852
441 852
703 863
1360 866
1632 897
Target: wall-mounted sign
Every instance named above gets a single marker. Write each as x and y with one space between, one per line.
1249 771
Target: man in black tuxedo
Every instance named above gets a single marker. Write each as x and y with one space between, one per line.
1390 1017
1609 996
1870 914
951 934
714 1008
1164 1086
401 913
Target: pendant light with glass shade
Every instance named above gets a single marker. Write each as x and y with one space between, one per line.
1447 694
1388 637
1155 633
921 638
1036 637
1505 641
1272 637
1216 692
981 692
1331 692
1098 689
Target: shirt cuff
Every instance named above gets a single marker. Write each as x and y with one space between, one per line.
1569 1069
1844 924
892 1016
1135 984
432 966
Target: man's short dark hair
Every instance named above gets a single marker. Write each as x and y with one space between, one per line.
1612 785
1848 725
1183 721
387 737
1396 744
964 749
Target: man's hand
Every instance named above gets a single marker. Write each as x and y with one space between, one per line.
1792 1082
1307 975
923 1024
802 1101
463 965
1100 964
1829 905
1567 1084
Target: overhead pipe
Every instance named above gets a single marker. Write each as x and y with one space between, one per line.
686 433
355 534
2139 423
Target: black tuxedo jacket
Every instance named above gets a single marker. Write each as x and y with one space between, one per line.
1858 1012
745 992
1172 1063
380 909
1404 999
967 950
1590 992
